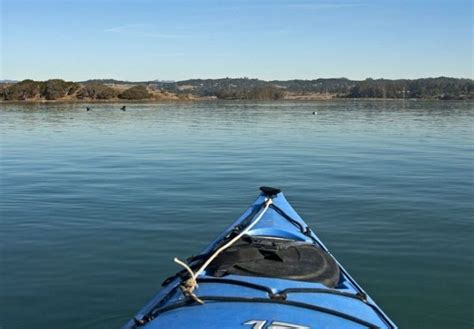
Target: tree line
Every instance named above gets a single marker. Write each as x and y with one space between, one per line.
256 93
241 88
429 88
57 89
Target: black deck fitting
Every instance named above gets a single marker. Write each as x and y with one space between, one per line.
270 191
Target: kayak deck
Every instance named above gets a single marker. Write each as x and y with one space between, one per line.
259 297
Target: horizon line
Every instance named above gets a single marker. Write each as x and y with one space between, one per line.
242 77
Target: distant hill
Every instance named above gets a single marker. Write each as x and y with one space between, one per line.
109 81
6 81
442 88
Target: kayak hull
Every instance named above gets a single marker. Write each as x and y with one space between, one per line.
258 300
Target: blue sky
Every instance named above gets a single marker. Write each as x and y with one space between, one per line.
146 40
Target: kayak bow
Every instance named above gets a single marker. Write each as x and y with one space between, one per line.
267 270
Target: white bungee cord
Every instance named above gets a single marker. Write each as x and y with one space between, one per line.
190 284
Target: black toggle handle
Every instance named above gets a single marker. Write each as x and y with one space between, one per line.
270 191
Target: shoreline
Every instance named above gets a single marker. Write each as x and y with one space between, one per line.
239 89
204 99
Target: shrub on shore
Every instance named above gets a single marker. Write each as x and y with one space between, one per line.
57 88
29 89
22 90
96 90
137 92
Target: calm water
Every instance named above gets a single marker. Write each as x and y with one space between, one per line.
94 205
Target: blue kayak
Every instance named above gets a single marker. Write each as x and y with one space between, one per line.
268 270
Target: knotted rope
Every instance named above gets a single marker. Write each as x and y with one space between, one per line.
188 286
